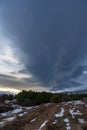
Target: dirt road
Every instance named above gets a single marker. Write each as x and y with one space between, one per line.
62 116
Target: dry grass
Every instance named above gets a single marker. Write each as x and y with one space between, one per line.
44 113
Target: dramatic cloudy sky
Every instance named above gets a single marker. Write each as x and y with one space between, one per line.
43 45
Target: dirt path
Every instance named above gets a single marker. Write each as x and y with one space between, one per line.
44 113
62 116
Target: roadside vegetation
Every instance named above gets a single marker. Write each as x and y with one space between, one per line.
30 110
31 98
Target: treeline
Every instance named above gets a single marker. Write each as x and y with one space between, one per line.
33 98
30 98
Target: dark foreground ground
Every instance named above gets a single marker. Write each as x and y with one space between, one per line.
61 116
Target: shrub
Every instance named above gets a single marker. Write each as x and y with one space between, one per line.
56 98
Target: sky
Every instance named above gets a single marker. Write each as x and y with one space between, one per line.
43 45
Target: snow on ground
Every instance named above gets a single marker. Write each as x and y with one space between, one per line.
54 122
66 120
47 104
15 111
74 113
36 106
67 103
2 123
20 111
5 114
27 108
81 121
42 125
68 127
33 120
60 114
22 114
78 102
9 119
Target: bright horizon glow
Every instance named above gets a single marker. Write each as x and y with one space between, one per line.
11 90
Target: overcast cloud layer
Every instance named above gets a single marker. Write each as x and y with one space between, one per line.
50 39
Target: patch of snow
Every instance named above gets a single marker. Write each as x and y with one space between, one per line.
6 101
54 122
42 125
81 121
9 119
67 124
60 114
66 120
22 114
69 102
74 113
2 123
27 108
68 127
78 102
47 104
36 106
33 120
15 106
73 108
4 114
15 111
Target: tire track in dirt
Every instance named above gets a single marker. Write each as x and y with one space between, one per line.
43 117
45 113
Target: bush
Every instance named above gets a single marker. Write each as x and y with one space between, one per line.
56 98
29 98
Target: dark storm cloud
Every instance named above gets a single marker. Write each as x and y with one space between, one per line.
6 80
52 36
13 82
6 76
66 85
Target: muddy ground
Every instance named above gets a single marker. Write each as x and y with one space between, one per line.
61 116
